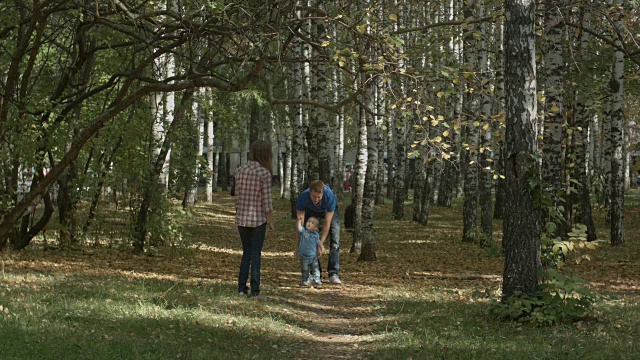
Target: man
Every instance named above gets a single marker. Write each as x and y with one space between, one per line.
319 201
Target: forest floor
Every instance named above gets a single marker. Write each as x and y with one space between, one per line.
426 296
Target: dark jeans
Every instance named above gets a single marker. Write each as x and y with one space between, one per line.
333 265
252 241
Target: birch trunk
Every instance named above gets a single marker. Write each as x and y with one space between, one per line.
471 124
368 252
552 152
400 140
486 153
521 218
584 214
359 174
617 141
212 159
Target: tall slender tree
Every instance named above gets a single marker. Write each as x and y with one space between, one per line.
617 121
471 128
521 217
554 121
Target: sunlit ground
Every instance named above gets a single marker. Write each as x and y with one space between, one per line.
426 297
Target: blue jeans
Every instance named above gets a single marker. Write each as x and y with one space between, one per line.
333 265
310 265
252 241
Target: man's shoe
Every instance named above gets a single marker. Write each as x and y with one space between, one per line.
335 279
317 282
242 293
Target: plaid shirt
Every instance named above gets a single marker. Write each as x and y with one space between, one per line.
253 195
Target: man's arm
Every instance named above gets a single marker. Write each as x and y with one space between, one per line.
327 225
299 220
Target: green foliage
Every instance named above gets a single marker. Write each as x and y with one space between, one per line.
167 224
560 298
490 246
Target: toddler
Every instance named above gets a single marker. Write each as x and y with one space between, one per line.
309 249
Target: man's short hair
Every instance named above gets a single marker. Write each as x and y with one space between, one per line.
316 186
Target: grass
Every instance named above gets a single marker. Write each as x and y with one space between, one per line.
181 303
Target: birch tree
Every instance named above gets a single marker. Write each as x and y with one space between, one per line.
617 121
552 152
521 218
471 126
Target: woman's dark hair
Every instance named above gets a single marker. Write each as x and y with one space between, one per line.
260 151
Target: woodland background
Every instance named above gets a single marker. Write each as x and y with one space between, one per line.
111 112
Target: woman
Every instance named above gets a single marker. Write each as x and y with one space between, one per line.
254 212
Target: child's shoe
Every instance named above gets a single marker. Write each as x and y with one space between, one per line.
304 283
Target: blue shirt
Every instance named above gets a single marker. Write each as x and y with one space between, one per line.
309 241
328 203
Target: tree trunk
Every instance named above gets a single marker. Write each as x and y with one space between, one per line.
521 217
298 148
584 214
212 154
552 150
197 129
361 167
617 131
418 183
471 129
368 252
400 136
26 233
486 153
380 122
499 108
423 218
155 173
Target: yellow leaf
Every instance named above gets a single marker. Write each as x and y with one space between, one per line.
476 123
446 156
439 94
485 126
437 139
393 17
569 131
555 108
445 133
